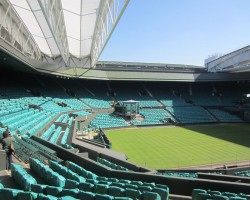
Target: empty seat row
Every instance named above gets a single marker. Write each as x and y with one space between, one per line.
110 164
95 191
200 194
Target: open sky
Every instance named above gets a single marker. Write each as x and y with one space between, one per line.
179 31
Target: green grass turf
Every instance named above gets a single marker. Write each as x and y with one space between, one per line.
172 147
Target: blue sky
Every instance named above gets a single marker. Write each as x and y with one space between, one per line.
179 31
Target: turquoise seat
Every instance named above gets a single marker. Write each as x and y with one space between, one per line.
54 191
26 196
220 197
92 181
164 193
103 197
88 187
195 192
101 189
70 184
130 186
86 195
45 197
203 196
144 188
70 192
121 185
9 194
124 181
150 196
37 188
134 194
113 180
116 191
67 198
138 183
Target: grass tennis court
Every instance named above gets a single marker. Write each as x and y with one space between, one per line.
171 147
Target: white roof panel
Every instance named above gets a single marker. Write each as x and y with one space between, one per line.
79 18
72 6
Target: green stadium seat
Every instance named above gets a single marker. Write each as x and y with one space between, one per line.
9 194
70 192
54 191
203 196
121 185
150 196
70 184
164 193
67 198
101 189
144 188
92 181
116 191
38 188
86 195
124 181
134 194
26 195
138 183
130 186
88 187
220 197
103 197
45 197
113 180
195 192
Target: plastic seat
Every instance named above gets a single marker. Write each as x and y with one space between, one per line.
45 197
54 191
103 197
101 189
130 186
70 192
116 191
164 193
9 194
195 192
67 198
38 188
26 195
70 184
121 185
134 194
144 188
150 196
86 195
88 187
220 197
203 196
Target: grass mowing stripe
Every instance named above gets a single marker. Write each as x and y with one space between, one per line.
172 147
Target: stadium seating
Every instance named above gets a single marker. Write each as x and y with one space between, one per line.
224 116
191 114
76 182
110 164
47 134
179 174
64 140
201 194
108 121
243 173
153 116
55 135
